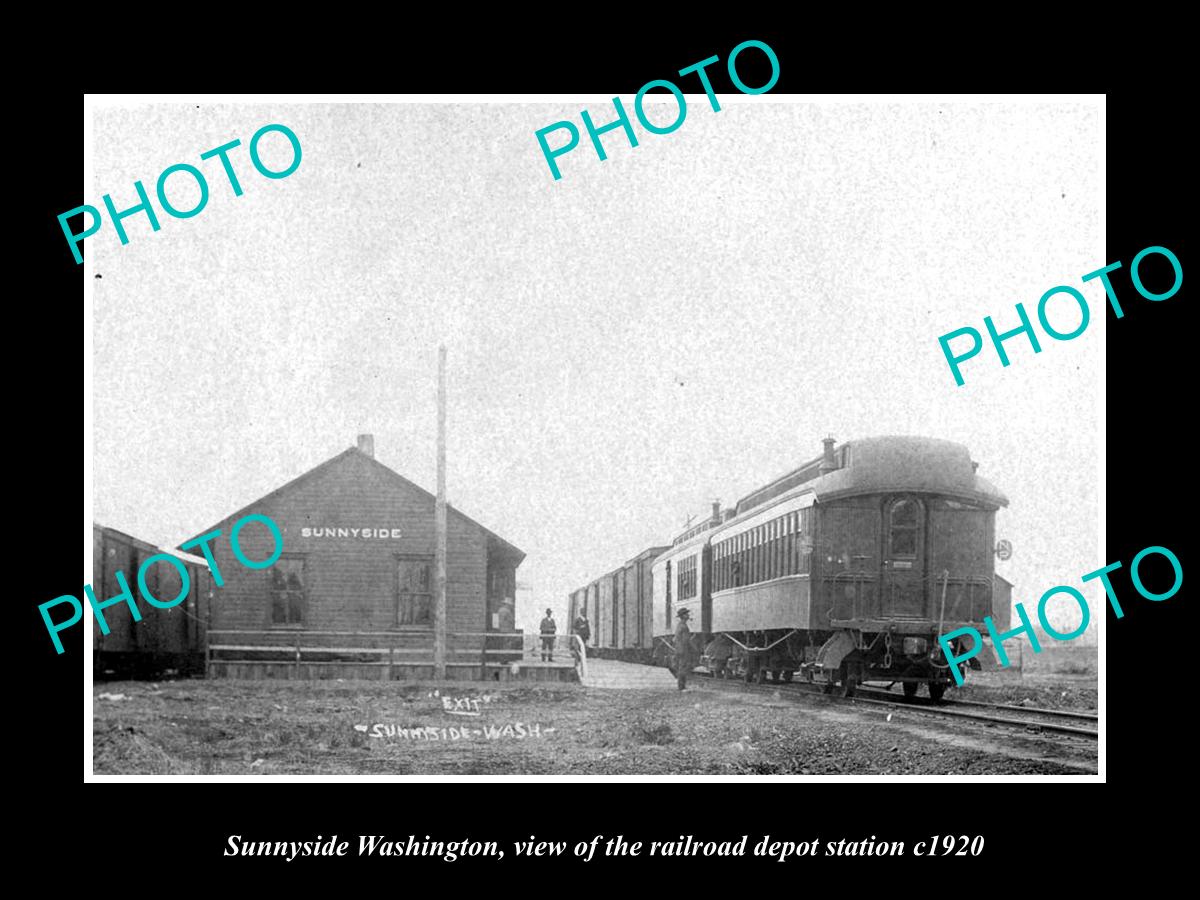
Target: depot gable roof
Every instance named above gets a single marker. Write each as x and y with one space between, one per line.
502 545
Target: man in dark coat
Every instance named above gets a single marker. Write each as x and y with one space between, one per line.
583 629
684 657
548 629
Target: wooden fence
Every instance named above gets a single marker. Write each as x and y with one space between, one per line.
383 650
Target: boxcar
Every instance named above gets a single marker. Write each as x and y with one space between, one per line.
844 570
165 640
639 598
608 621
621 608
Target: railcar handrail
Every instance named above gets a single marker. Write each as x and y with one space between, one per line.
760 649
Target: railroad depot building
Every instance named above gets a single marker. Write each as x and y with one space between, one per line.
351 595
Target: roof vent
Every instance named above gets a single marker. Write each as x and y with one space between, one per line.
828 463
366 444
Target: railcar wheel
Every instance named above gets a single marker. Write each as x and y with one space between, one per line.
910 689
936 691
787 676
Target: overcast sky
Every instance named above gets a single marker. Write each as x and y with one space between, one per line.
680 323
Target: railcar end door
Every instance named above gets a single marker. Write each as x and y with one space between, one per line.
903 592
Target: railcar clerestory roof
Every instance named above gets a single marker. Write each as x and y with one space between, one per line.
883 465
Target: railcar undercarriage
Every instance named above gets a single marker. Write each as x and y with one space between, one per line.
839 660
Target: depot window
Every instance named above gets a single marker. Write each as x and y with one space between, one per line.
414 592
287 591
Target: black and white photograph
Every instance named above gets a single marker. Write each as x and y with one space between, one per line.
528 437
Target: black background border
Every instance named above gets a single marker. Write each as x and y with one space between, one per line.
169 825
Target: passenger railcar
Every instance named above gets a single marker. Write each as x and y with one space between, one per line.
164 640
844 570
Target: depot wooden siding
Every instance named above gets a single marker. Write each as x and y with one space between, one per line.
350 583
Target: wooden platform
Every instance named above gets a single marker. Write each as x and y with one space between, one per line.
536 670
608 673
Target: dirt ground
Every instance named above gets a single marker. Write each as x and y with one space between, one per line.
345 728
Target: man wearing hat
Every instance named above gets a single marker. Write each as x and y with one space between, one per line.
583 629
683 647
548 629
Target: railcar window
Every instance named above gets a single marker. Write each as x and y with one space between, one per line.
785 534
414 594
796 541
790 546
780 547
754 557
287 591
760 553
771 573
756 561
763 547
775 533
750 556
903 522
687 578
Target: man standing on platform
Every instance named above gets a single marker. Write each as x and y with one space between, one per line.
548 630
583 629
683 648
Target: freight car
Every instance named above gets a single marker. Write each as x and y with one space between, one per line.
844 570
165 640
620 609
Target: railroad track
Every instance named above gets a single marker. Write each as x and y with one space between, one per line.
1024 717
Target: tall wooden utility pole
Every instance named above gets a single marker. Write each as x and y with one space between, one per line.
439 565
